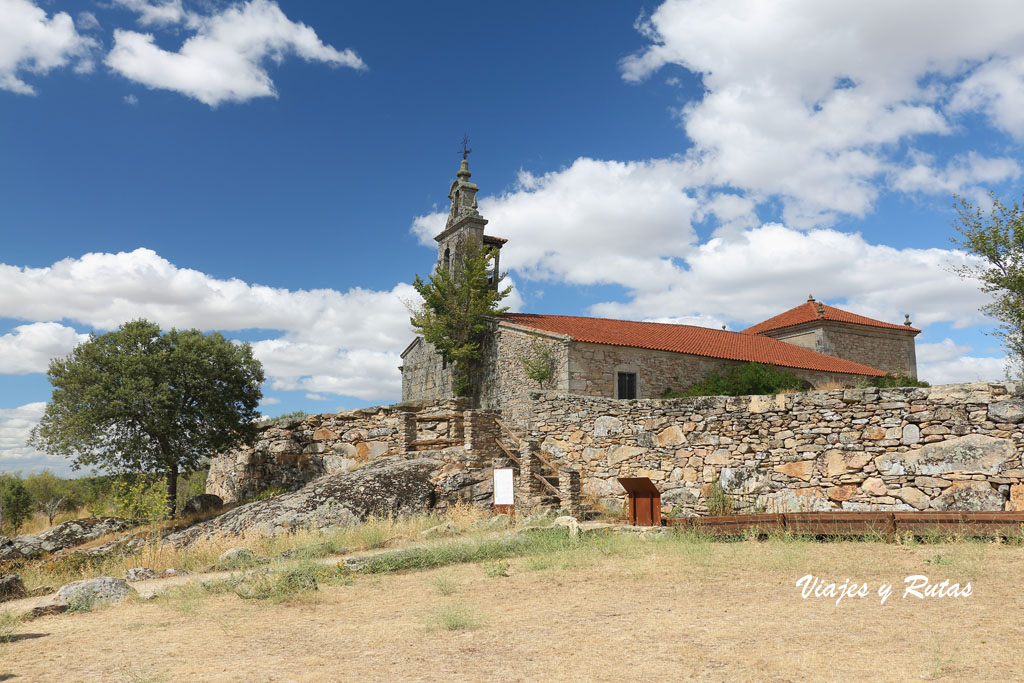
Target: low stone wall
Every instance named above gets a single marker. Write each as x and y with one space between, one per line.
290 454
953 447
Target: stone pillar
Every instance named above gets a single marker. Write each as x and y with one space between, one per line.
529 489
407 430
569 490
480 432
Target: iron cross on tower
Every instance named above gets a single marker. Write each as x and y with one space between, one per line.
465 146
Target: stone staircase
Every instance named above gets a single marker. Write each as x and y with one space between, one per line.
540 482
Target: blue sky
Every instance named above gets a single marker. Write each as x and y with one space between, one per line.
276 171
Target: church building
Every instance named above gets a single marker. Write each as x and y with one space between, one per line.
627 359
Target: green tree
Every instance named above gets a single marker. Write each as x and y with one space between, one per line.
998 240
15 503
457 302
138 400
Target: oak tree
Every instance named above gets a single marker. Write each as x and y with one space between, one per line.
997 239
139 400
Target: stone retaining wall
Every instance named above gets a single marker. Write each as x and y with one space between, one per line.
954 447
290 454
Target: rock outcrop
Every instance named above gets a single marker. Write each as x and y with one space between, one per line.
388 486
61 537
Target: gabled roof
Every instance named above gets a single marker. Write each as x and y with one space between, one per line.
697 341
808 312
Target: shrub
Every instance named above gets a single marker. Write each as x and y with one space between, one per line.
743 380
890 380
539 364
16 502
719 502
456 617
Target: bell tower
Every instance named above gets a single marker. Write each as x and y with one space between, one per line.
465 225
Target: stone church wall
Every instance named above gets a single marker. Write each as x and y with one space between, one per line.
424 376
888 350
505 382
593 369
940 448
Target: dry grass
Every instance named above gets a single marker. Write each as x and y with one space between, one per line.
375 532
676 609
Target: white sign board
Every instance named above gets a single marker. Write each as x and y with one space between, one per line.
503 494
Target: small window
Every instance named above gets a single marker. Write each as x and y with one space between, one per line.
627 385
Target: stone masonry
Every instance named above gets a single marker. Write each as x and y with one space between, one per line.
954 447
290 454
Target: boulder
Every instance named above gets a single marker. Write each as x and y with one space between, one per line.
202 504
61 537
387 487
105 590
969 495
974 453
11 588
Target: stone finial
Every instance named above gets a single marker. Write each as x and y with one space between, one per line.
906 319
821 310
463 173
810 297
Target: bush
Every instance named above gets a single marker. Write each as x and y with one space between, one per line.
891 380
743 380
719 502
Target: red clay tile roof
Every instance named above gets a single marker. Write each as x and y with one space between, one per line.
808 312
698 341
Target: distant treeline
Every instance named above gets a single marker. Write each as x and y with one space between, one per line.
34 502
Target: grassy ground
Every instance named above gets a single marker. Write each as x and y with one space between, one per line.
607 607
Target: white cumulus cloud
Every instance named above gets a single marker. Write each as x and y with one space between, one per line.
15 455
947 362
29 348
811 101
225 60
322 341
155 12
32 42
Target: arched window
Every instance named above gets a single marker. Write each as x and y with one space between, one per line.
447 258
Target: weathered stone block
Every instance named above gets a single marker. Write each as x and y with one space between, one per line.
974 453
671 436
622 453
801 469
1010 411
969 495
840 493
911 434
874 486
912 496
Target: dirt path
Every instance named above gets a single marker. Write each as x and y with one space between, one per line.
722 611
